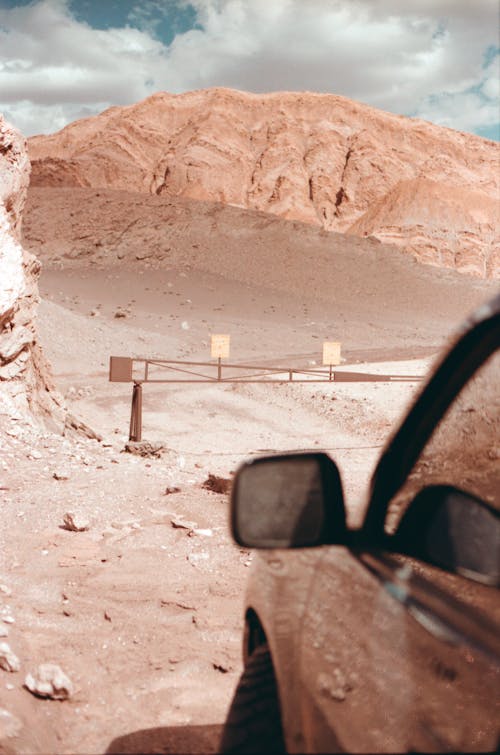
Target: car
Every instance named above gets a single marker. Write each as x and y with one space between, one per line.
384 638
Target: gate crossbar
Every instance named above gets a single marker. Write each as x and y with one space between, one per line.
122 370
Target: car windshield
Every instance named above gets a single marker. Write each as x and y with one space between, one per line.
464 449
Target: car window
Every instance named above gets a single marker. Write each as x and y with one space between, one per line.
464 449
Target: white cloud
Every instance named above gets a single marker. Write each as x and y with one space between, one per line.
421 57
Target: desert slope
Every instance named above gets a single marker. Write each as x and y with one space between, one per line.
316 158
356 289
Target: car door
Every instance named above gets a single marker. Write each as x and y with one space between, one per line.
398 654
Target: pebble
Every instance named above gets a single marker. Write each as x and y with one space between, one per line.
49 681
193 558
179 522
60 475
8 660
10 726
75 523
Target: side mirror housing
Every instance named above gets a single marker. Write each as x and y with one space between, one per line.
453 530
288 501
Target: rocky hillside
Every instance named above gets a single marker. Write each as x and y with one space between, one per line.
317 158
24 382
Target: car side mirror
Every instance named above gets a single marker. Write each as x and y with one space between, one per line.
454 530
289 501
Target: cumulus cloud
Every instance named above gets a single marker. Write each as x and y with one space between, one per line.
421 57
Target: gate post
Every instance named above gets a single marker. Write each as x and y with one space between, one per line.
135 432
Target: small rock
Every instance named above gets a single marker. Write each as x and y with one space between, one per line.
194 558
217 484
10 726
179 523
203 532
145 449
60 475
34 455
4 632
95 313
221 667
120 313
49 681
8 660
170 491
5 590
8 619
75 523
72 426
222 663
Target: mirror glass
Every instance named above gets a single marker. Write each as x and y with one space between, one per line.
454 530
279 502
464 453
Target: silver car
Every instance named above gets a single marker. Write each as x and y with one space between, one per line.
385 638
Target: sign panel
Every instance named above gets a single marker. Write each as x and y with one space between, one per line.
120 369
331 352
219 346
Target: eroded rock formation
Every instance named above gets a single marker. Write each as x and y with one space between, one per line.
24 375
317 158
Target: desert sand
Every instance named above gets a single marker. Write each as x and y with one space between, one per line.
145 619
143 609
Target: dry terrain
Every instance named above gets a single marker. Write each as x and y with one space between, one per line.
317 158
157 225
143 611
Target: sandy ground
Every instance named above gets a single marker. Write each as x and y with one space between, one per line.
146 617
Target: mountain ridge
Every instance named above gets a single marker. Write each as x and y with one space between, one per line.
317 158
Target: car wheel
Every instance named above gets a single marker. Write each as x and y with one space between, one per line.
253 723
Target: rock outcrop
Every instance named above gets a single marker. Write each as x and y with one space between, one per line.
317 158
24 375
443 225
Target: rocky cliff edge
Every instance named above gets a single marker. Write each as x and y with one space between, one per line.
25 382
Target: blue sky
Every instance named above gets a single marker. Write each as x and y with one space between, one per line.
435 59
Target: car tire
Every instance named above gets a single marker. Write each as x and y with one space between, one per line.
253 723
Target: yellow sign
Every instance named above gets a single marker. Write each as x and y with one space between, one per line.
120 370
331 352
219 346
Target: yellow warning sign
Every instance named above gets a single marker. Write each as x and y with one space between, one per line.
219 346
331 352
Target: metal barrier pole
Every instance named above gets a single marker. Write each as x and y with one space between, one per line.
135 432
219 369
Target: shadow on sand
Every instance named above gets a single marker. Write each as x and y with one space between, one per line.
171 740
